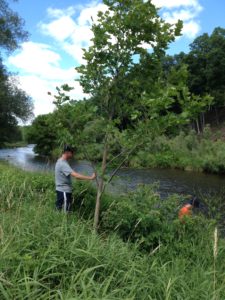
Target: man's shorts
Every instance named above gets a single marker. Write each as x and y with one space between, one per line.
63 201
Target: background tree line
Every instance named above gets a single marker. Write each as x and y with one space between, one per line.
15 104
206 73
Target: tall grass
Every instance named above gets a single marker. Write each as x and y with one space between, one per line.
185 151
45 254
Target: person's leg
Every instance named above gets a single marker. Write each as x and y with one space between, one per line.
59 200
67 202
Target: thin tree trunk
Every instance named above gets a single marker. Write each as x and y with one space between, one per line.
198 128
100 186
97 207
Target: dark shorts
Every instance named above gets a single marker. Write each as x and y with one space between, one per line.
63 201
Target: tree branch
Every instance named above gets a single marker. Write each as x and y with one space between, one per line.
120 165
115 157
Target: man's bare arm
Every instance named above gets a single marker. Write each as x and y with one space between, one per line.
83 177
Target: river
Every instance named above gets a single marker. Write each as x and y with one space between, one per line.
170 181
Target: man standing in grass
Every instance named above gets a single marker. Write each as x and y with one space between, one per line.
63 179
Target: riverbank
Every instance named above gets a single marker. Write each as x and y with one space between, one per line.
189 152
14 145
141 252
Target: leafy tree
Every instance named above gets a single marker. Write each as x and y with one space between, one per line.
190 104
119 35
15 104
169 62
206 64
43 133
74 122
11 28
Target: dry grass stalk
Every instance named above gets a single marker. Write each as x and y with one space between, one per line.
215 254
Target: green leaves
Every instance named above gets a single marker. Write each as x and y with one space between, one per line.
120 34
43 133
14 103
11 28
207 65
62 96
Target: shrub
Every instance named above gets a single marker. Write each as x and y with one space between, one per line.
144 218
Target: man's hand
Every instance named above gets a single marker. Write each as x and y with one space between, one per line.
93 176
83 177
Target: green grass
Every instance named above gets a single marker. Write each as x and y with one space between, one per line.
205 153
45 254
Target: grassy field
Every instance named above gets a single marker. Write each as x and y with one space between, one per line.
45 254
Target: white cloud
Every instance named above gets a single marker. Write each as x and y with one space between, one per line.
41 60
60 29
90 14
191 26
175 3
57 13
38 89
72 32
41 72
34 50
172 17
185 10
75 51
191 29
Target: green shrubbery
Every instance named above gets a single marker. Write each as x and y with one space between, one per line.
185 151
45 254
145 219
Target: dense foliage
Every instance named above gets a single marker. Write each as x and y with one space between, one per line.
11 27
185 151
15 104
48 255
206 66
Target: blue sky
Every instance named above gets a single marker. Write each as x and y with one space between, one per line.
60 28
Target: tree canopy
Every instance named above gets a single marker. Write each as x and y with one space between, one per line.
11 28
15 104
206 63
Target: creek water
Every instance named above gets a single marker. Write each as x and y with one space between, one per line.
170 181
